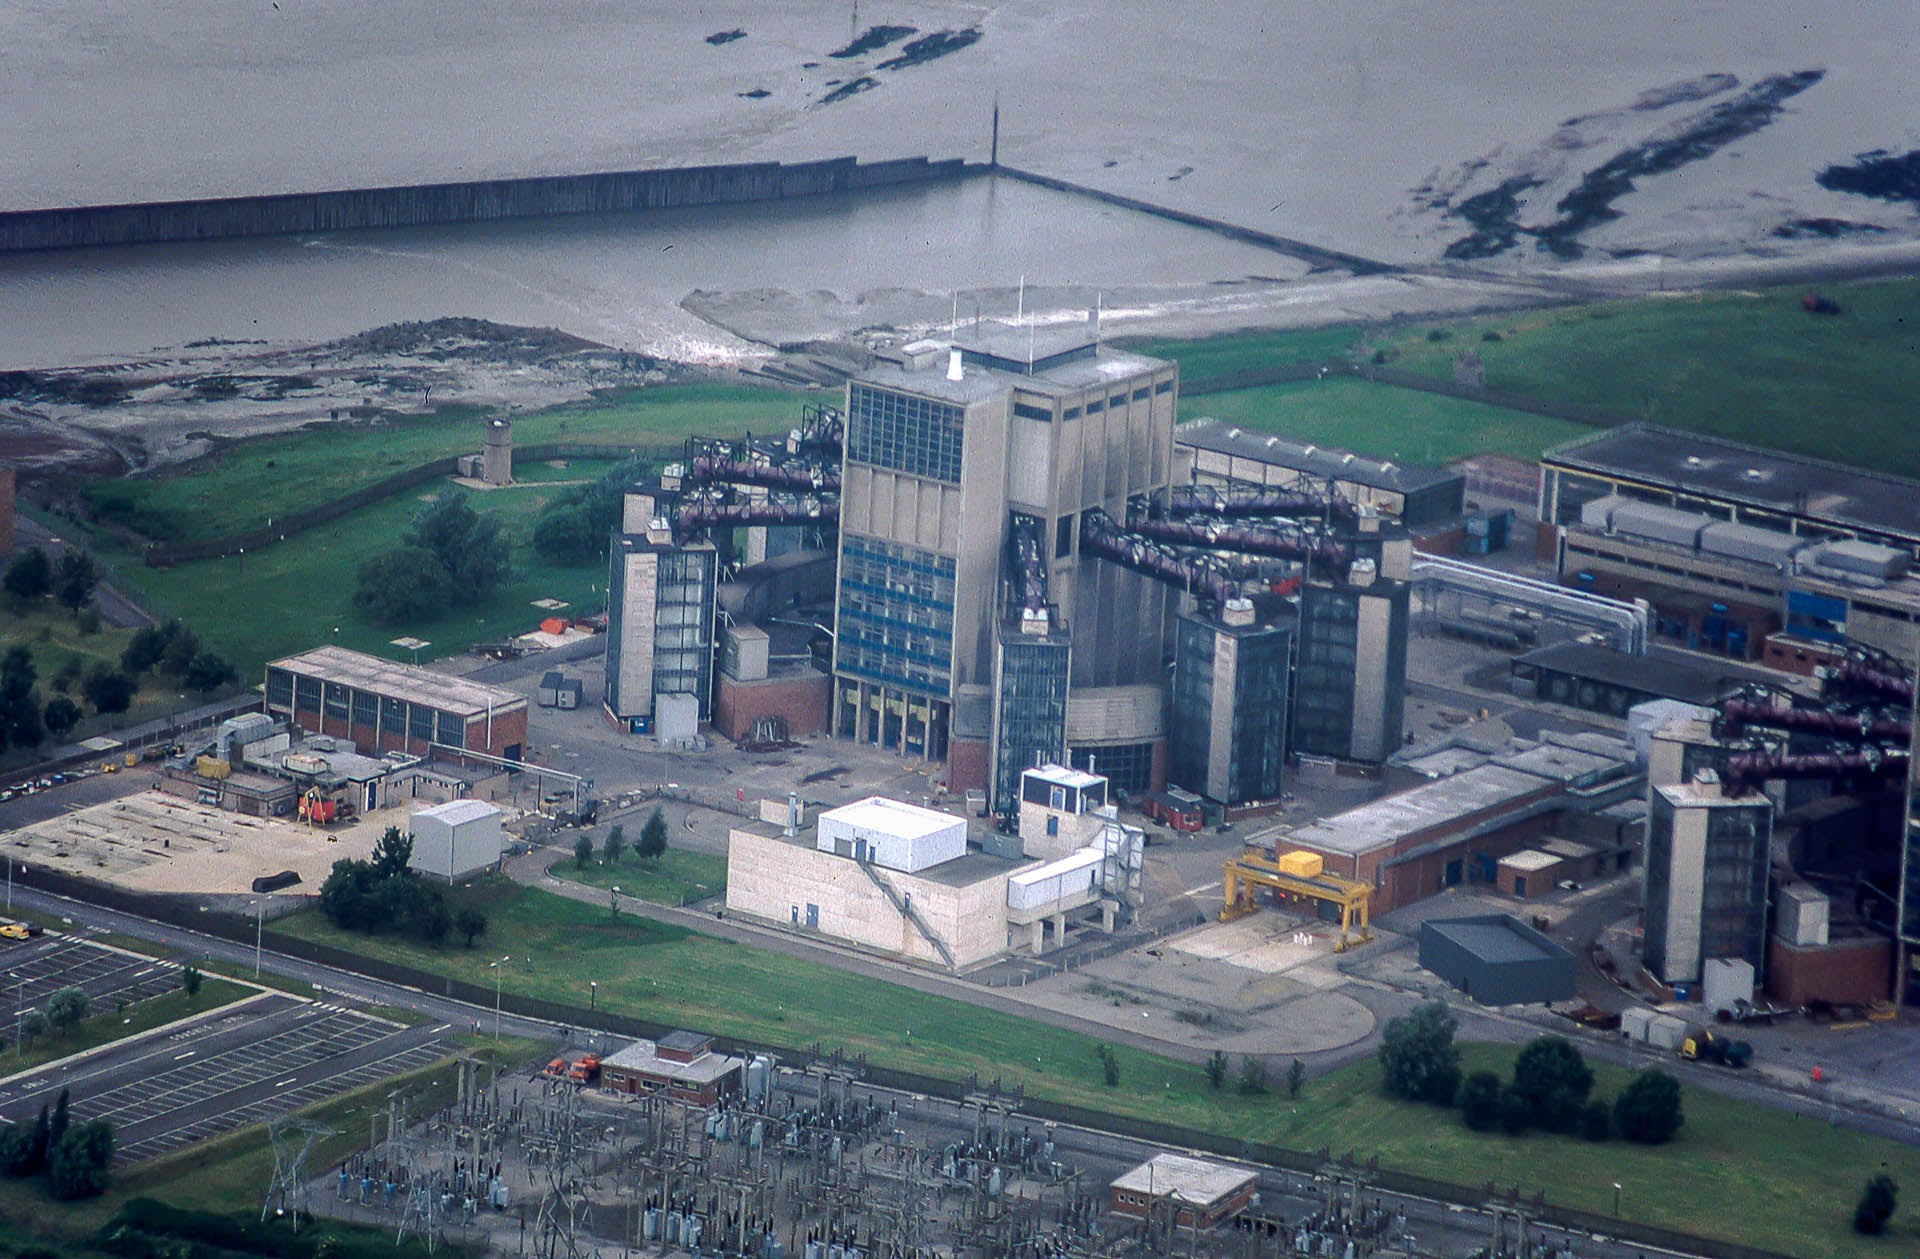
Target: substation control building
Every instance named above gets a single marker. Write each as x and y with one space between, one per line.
383 706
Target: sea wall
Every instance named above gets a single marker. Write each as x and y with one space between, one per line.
467 202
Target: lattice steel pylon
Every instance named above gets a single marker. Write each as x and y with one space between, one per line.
288 1191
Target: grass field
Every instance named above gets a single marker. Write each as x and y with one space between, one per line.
249 483
1747 365
299 594
1774 1180
676 877
1383 422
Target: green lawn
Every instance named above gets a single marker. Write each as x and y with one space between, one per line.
1776 1181
299 594
1748 365
1248 351
246 485
104 1026
676 877
1383 422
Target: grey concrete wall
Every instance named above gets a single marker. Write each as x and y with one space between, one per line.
468 202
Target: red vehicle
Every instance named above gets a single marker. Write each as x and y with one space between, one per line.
1177 809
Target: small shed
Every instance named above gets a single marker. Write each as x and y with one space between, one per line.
1527 873
456 840
548 694
1202 1192
1497 960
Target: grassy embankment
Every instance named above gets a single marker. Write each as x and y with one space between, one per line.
1750 365
676 877
1777 1181
299 593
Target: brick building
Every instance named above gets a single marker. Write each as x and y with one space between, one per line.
383 706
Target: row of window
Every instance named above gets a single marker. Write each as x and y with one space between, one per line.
908 434
364 708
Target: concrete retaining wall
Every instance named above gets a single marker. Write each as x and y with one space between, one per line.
466 202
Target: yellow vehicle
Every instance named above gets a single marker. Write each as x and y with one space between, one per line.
13 931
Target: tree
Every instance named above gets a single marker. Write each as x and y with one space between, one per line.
1480 1101
74 578
583 851
1217 1069
1296 1079
1418 1059
1876 1206
1109 1066
77 1167
145 647
470 546
615 844
653 837
190 979
29 576
407 584
1648 1111
1596 1121
393 854
61 1121
208 671
181 647
60 715
108 690
1555 1080
1253 1075
67 1007
470 923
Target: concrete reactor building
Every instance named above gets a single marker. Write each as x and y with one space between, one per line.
1020 567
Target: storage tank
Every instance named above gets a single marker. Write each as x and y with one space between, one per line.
496 458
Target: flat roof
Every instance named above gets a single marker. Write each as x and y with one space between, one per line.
893 817
1663 671
1191 1180
1383 822
1792 485
1496 938
1208 433
394 680
644 1055
454 812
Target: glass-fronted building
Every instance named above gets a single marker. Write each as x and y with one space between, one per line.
1228 724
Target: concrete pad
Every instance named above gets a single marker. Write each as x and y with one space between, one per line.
153 842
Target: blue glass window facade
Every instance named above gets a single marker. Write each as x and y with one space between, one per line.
896 616
905 433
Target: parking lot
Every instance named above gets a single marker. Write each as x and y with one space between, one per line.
260 1057
35 969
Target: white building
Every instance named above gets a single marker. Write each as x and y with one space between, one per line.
456 840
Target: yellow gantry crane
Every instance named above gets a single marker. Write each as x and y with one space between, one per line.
1296 875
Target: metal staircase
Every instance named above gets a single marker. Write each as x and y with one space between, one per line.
907 911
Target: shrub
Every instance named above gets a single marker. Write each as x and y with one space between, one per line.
1418 1057
1648 1111
1480 1101
1876 1206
